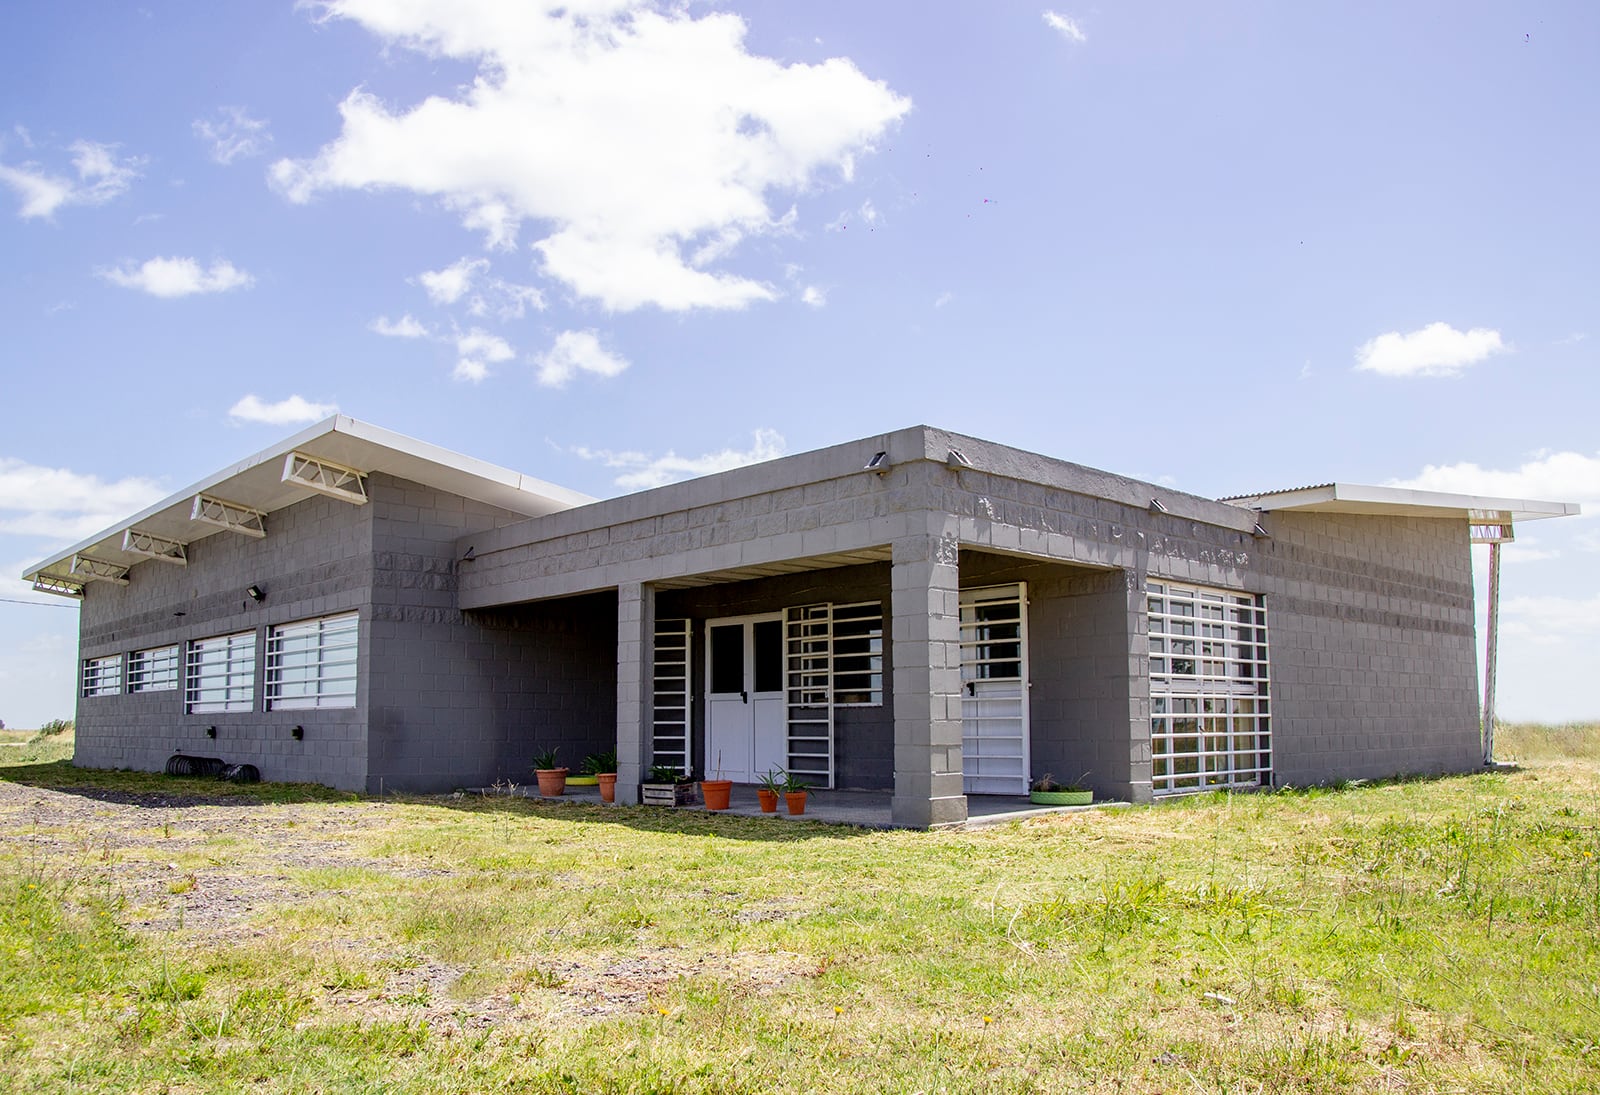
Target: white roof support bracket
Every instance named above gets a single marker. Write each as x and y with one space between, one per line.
241 519
138 542
1491 526
96 570
325 477
55 583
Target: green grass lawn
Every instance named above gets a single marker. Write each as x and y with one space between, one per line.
181 935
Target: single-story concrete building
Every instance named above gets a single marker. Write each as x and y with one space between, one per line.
919 612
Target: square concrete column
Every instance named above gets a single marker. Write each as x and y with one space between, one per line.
1138 785
925 601
636 632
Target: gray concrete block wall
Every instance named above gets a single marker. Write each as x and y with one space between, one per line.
1085 718
863 736
465 699
316 560
1372 645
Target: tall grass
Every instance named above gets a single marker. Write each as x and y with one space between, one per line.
1534 741
1426 935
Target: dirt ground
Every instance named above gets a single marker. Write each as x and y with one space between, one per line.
214 869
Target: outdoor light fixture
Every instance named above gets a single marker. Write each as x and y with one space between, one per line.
1258 532
957 460
472 553
298 733
1156 506
879 463
211 731
256 594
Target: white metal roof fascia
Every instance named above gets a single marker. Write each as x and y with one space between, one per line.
1402 501
256 482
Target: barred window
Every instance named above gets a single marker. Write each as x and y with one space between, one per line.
312 663
1209 718
153 670
858 654
221 673
102 676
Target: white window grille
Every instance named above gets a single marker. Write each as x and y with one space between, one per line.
312 663
994 690
808 691
858 655
220 673
1210 722
153 670
102 676
669 730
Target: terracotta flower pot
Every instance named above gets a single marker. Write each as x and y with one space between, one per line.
769 800
552 781
796 801
608 786
717 793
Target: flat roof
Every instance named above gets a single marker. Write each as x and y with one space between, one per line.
257 483
1403 501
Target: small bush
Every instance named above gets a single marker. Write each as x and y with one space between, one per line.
54 727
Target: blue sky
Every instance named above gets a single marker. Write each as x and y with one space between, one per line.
1226 247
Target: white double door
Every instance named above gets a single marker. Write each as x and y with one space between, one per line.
746 732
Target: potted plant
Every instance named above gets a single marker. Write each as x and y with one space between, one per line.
602 766
552 778
794 793
665 785
769 788
718 793
1046 791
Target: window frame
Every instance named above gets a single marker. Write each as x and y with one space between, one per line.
102 676
307 655
238 663
154 669
1210 702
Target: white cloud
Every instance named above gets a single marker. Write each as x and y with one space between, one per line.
233 135
943 298
476 350
453 282
1549 476
576 352
1066 25
286 412
404 327
179 277
1573 339
634 133
814 296
101 177
645 471
1552 621
1436 350
64 505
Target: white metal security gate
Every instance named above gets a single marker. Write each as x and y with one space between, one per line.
994 690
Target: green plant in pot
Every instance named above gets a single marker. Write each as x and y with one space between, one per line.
552 777
769 787
598 770
794 793
1048 791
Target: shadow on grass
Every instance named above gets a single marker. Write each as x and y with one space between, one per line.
684 821
153 790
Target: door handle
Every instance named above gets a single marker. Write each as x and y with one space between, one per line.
744 697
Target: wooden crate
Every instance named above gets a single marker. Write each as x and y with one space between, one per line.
669 794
